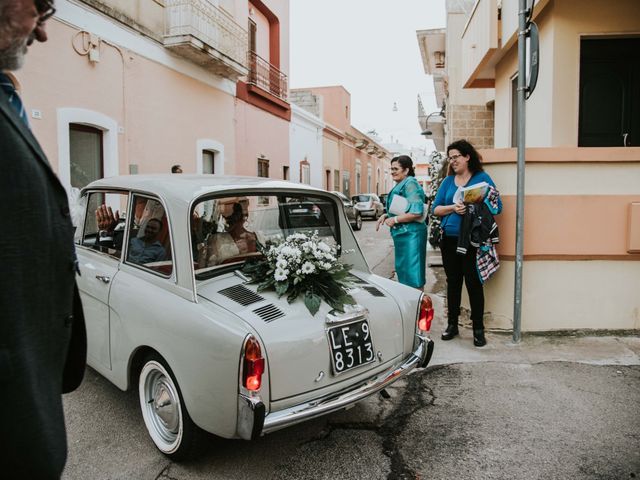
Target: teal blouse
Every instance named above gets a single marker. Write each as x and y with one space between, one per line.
410 238
410 189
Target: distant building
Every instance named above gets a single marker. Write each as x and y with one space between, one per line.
306 139
353 162
420 159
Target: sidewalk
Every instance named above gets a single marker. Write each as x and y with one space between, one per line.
533 348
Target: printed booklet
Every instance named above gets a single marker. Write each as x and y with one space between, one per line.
471 194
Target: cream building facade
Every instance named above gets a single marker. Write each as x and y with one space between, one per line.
582 189
469 112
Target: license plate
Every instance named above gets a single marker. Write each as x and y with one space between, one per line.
351 346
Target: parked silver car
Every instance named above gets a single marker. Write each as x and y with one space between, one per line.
368 204
353 214
170 313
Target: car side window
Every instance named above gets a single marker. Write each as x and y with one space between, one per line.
149 236
104 232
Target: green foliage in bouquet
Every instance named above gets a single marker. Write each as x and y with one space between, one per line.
302 265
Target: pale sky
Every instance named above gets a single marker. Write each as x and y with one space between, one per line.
370 48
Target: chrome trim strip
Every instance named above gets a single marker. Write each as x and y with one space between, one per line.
305 411
242 276
351 313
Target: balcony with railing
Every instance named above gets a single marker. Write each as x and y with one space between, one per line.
206 35
479 44
266 77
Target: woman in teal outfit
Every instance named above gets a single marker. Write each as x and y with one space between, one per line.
408 229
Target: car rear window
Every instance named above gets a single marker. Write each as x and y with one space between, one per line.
362 198
229 230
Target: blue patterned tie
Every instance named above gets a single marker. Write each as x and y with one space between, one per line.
14 99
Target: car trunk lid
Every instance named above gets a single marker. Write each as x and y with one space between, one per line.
297 344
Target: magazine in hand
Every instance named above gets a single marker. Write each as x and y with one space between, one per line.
471 194
399 205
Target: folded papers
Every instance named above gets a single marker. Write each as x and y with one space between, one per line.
400 205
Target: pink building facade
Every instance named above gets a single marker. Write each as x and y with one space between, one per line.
136 87
262 110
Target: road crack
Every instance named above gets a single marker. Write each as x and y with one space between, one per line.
164 474
416 396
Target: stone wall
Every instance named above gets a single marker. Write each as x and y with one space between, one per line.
307 101
471 122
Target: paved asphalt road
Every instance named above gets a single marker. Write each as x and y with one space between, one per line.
481 420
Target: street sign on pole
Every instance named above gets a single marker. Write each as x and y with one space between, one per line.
533 57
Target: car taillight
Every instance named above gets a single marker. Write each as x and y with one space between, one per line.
253 365
425 315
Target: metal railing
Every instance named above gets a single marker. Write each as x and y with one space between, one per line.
266 76
209 24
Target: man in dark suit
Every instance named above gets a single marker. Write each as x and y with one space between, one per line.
42 331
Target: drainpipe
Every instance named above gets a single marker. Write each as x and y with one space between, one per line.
522 78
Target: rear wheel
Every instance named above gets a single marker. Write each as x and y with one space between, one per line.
163 411
358 224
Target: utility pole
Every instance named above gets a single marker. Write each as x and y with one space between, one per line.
522 87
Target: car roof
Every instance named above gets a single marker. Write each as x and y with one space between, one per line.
187 187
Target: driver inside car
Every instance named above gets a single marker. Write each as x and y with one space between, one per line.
147 248
143 248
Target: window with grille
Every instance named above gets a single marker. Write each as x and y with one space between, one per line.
85 154
263 167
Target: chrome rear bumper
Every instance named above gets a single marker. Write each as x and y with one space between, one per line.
249 415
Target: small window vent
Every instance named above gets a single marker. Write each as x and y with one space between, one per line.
373 291
241 295
269 313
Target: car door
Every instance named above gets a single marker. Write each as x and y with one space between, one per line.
99 254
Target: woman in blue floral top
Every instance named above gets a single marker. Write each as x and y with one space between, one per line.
465 169
408 229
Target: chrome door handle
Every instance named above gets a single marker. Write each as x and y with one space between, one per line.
103 278
624 139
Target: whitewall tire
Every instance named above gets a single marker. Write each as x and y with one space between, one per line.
163 410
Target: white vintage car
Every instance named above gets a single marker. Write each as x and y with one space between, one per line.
169 311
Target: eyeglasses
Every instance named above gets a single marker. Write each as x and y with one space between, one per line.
46 10
454 157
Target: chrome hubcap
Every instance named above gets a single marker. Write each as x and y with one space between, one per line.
161 406
164 405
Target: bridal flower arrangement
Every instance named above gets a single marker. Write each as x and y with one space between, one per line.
302 265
